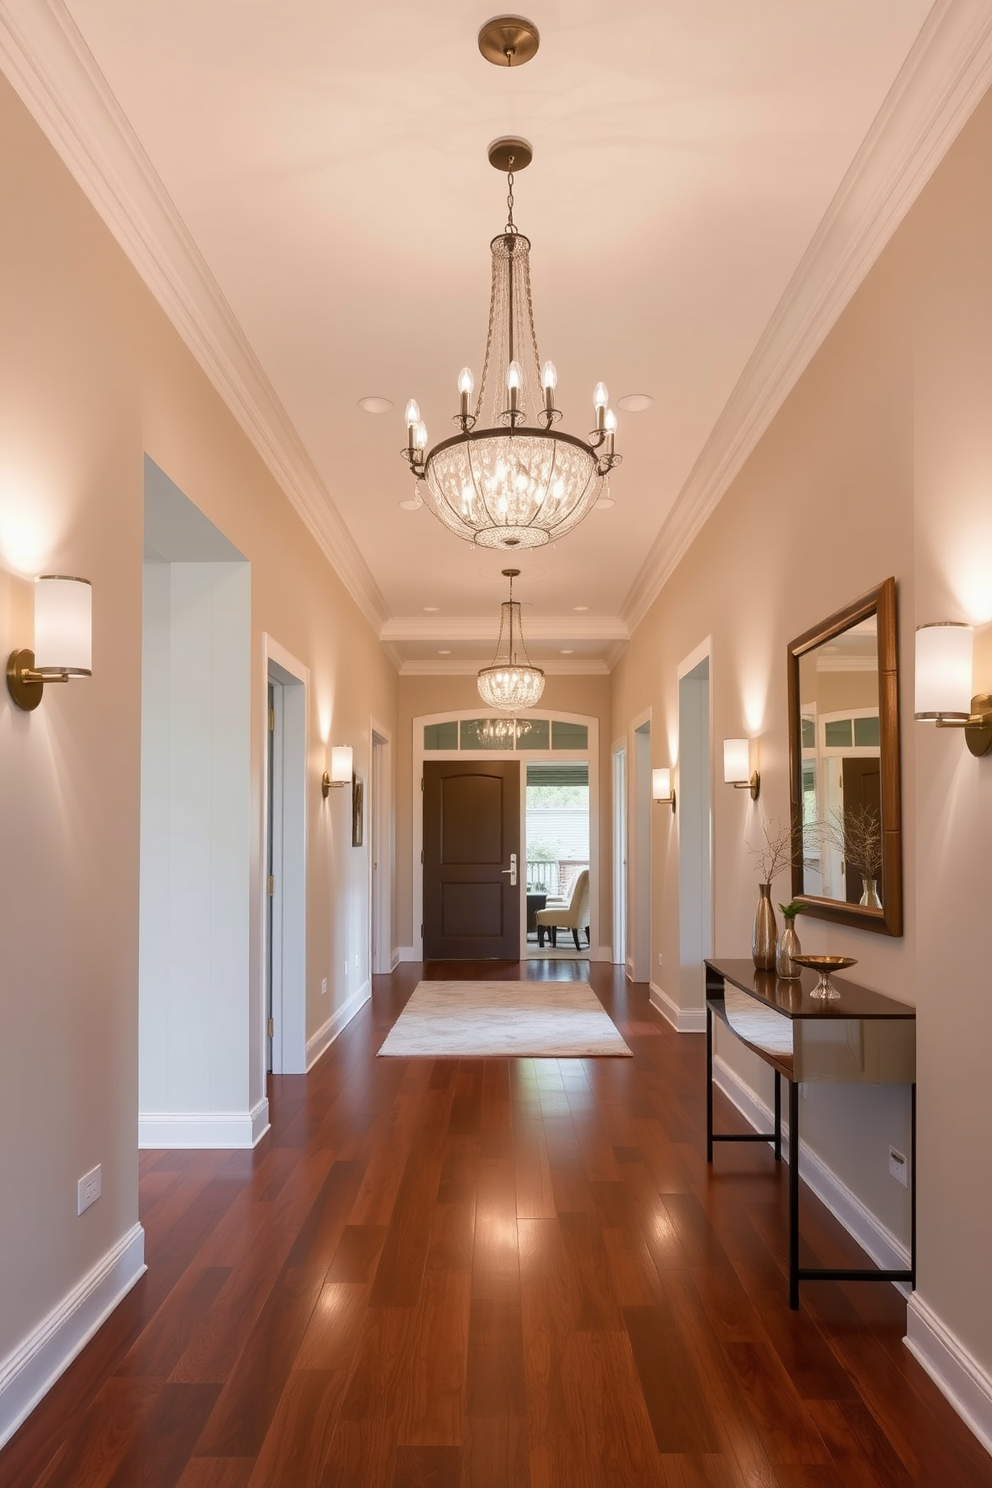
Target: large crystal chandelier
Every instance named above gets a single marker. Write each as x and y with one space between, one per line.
508 478
510 683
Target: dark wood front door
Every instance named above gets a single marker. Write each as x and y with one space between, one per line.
862 788
471 836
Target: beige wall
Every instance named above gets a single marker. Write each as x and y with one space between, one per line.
879 463
424 695
91 376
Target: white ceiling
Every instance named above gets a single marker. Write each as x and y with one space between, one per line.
330 165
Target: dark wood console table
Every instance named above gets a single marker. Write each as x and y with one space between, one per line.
860 1037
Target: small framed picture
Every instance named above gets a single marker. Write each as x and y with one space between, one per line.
357 807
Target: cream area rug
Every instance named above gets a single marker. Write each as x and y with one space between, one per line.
508 1020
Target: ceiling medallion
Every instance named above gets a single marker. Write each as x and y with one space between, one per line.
515 482
510 683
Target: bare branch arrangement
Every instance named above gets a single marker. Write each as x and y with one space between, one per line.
776 850
857 835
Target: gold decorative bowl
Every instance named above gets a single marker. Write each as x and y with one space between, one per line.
824 988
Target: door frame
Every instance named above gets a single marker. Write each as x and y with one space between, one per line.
289 860
618 757
690 1018
639 822
415 952
382 958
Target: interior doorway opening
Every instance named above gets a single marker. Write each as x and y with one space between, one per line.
557 844
284 919
200 1066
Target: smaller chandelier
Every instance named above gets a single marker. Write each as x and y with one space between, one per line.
510 683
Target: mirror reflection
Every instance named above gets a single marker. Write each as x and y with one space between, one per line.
841 768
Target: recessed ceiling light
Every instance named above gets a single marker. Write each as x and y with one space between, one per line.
568 652
375 405
444 653
414 504
431 609
635 402
580 609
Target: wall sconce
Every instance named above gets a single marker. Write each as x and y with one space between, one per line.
737 767
63 639
944 663
341 768
662 790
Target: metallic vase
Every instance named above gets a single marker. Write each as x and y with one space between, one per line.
764 931
788 946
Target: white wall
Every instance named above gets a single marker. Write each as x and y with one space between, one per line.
194 1005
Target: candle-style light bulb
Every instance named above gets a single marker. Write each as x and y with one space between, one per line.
420 435
610 426
514 382
466 382
600 399
549 381
412 414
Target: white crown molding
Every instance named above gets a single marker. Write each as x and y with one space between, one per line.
486 628
467 668
47 62
939 85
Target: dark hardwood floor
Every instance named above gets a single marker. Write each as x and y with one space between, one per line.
491 1273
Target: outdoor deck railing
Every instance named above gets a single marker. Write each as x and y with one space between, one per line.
552 876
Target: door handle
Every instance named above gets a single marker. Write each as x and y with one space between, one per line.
512 870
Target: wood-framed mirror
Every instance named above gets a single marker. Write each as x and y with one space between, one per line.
844 765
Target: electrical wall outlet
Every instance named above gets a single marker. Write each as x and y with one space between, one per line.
89 1188
660 958
323 987
899 1167
356 963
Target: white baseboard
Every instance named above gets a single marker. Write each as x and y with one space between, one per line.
321 1041
408 953
885 1249
203 1128
683 1020
955 1372
31 1370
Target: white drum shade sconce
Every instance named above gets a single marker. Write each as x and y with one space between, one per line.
342 764
662 789
737 767
63 639
944 668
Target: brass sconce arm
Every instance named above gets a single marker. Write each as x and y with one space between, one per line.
753 785
977 726
26 685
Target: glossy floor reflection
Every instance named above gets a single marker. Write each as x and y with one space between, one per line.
495 1273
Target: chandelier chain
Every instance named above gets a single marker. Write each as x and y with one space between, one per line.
511 226
489 347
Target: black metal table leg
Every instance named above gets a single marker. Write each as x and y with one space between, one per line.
778 1116
709 1084
794 1195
